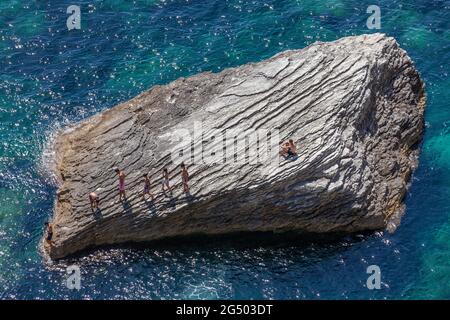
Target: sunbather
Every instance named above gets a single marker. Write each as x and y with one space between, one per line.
288 149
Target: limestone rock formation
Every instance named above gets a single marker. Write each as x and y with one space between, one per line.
354 108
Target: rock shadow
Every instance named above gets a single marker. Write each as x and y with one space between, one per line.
190 197
97 214
291 158
150 204
127 206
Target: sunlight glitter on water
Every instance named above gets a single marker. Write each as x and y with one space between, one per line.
51 79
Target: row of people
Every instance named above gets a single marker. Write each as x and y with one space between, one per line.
165 185
287 149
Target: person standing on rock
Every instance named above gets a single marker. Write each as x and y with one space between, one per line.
165 181
184 178
93 198
49 230
146 186
121 174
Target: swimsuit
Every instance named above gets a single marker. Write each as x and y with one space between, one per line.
49 235
146 187
121 185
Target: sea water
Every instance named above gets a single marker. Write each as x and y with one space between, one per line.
51 77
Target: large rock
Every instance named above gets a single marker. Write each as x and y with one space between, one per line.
354 107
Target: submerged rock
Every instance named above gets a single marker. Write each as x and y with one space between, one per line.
354 108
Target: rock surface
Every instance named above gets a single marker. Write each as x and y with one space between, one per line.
354 107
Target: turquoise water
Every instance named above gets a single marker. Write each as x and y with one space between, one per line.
50 77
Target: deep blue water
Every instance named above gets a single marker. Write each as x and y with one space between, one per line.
50 77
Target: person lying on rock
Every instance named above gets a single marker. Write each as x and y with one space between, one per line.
184 178
122 176
165 180
49 230
288 149
146 186
94 199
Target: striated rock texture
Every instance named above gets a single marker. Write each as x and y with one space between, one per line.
354 107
